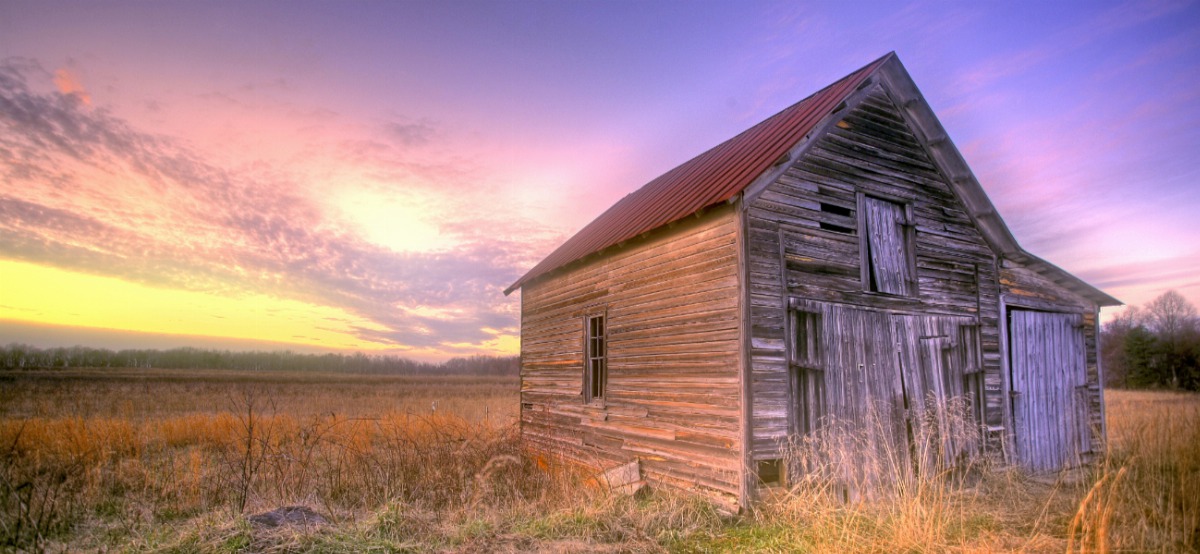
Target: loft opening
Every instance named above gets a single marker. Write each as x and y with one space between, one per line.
888 262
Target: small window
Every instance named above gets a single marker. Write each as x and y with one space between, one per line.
596 364
888 265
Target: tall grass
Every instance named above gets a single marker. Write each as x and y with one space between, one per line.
141 448
163 461
1146 492
873 486
1144 495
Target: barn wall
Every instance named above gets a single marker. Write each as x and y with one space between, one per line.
673 331
1021 286
871 150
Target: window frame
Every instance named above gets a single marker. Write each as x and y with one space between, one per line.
807 367
908 236
595 390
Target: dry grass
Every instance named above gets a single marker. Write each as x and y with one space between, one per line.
1143 497
1146 494
141 460
138 394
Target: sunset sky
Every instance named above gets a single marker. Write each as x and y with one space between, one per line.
371 175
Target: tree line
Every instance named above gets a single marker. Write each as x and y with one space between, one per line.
1153 347
24 356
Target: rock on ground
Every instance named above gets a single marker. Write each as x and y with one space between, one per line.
289 515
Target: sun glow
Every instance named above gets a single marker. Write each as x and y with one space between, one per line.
502 342
34 293
396 223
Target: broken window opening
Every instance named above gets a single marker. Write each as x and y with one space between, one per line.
806 331
972 371
770 472
808 372
836 210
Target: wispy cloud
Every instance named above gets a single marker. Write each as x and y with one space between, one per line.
1114 19
68 83
89 192
409 133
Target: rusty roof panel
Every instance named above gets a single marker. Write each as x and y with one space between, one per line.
713 177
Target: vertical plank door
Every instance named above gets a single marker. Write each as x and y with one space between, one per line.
1047 365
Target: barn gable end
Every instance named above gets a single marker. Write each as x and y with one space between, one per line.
807 230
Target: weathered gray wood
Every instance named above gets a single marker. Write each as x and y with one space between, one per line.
951 270
882 374
1048 371
747 481
887 247
755 321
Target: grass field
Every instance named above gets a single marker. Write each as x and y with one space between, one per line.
174 461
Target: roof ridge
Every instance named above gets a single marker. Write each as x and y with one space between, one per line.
708 178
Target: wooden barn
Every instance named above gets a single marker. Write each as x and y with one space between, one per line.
836 257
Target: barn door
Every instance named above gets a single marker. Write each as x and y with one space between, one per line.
1048 377
881 377
941 380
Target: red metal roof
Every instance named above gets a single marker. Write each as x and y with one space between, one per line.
706 180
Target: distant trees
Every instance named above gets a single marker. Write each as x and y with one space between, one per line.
23 356
1158 346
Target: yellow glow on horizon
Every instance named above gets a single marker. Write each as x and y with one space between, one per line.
501 344
505 344
40 294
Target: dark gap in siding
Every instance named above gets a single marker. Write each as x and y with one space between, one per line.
769 472
836 210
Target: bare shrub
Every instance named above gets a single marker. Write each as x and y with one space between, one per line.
37 494
244 455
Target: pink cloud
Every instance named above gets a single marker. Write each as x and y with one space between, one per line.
90 192
69 84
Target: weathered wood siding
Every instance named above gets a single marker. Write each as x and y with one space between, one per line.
1022 287
673 396
804 243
